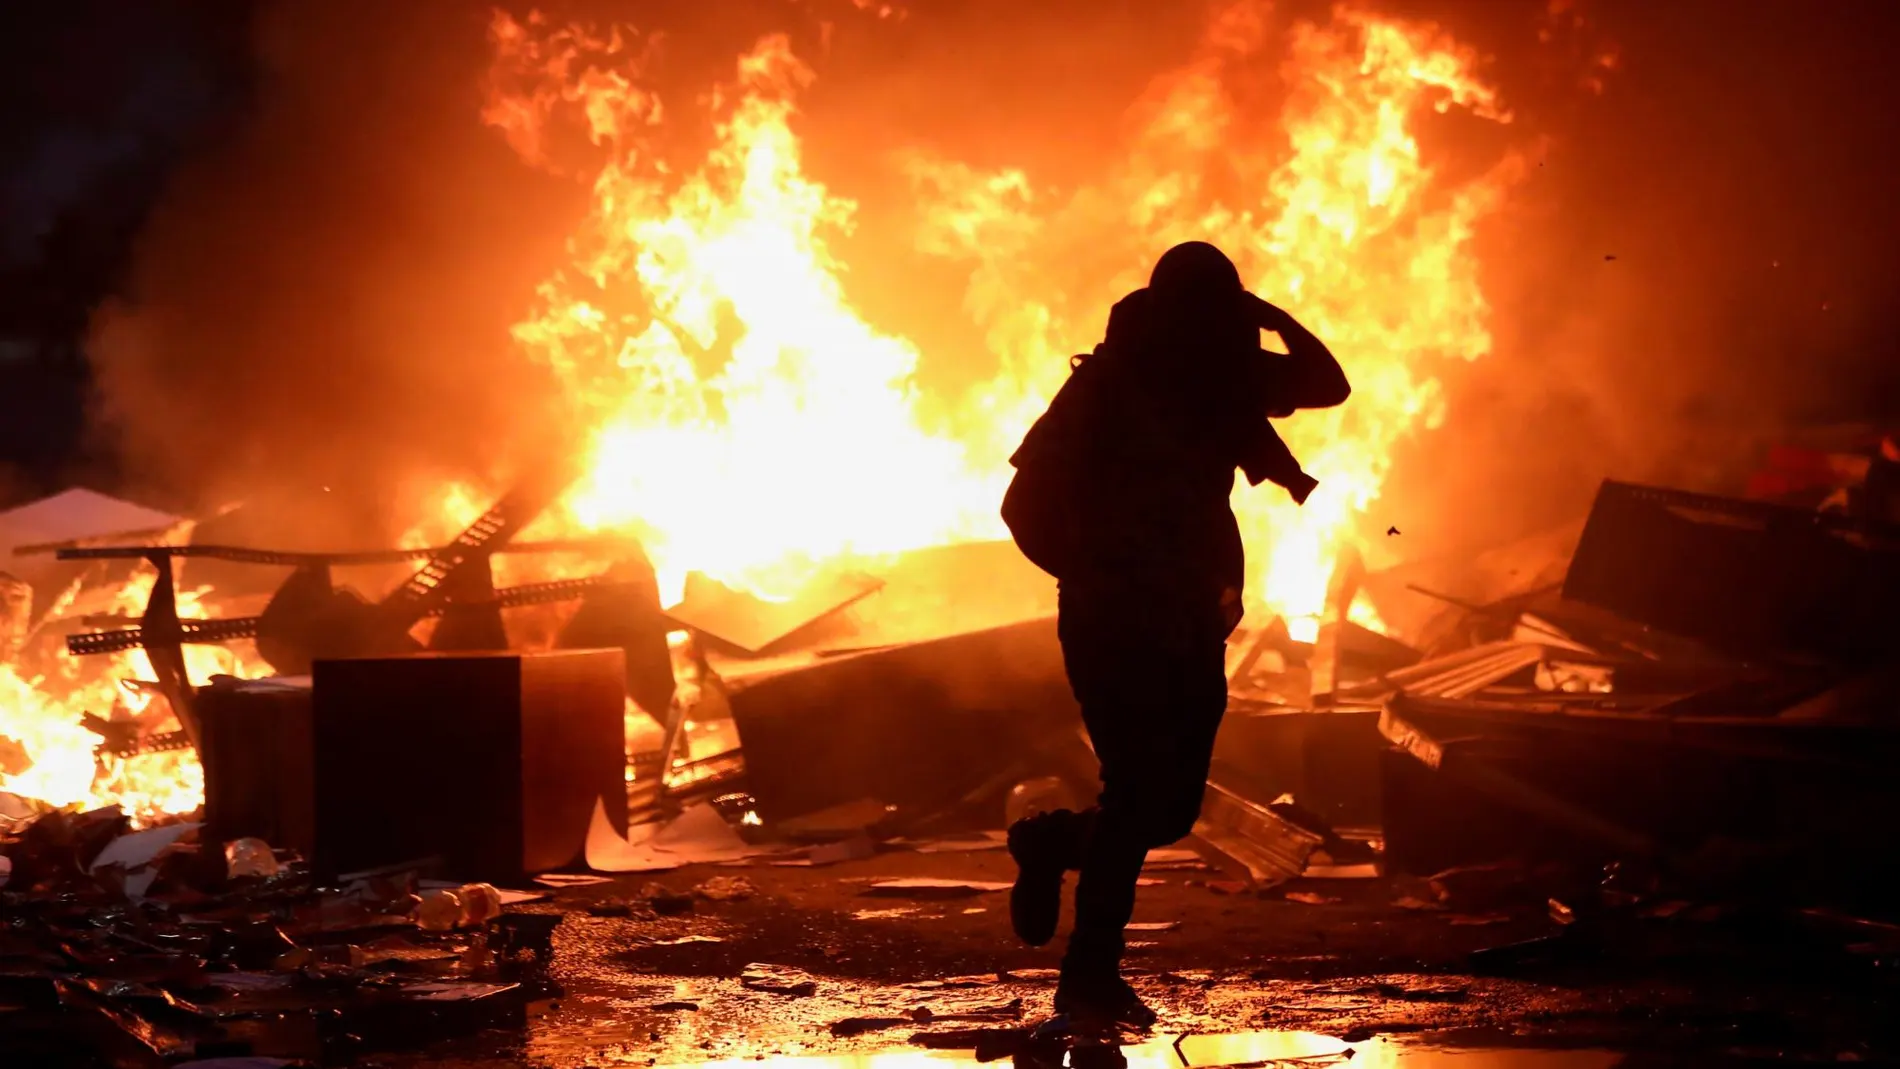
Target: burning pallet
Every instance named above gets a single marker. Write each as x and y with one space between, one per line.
311 618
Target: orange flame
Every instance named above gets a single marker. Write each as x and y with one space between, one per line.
42 713
751 425
744 419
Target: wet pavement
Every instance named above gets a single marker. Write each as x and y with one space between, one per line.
1235 1050
804 967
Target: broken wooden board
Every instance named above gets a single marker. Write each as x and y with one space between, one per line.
755 625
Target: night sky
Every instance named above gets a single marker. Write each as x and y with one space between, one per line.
99 101
1739 166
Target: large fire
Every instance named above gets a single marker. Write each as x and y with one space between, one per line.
745 421
749 423
42 712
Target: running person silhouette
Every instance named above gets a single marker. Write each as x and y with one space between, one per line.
1121 492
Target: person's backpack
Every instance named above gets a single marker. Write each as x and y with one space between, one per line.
1039 508
1038 512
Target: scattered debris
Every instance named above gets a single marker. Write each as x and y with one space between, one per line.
755 625
928 888
665 901
13 807
160 940
504 896
697 836
250 858
953 983
857 1026
571 879
967 1007
727 889
1366 870
779 980
1475 888
439 911
481 903
856 848
820 732
992 841
847 821
1438 993
618 907
1538 726
1251 841
1561 913
137 849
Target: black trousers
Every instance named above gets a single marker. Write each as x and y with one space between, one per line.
1152 682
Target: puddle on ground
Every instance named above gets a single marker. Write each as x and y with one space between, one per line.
1229 1051
1390 1053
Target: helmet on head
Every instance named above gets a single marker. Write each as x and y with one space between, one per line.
1195 272
1198 299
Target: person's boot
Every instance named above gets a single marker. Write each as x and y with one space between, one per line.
1094 998
1044 848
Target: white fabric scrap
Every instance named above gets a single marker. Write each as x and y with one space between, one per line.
697 836
140 848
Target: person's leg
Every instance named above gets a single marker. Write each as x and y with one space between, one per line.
1196 702
1154 732
1047 846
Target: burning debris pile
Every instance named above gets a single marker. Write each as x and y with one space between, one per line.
1686 691
1546 738
1711 672
55 709
1691 694
746 425
762 614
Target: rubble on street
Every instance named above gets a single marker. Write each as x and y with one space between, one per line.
1541 772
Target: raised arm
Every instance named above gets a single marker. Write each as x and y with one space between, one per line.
1308 376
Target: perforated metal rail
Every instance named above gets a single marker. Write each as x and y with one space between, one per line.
207 632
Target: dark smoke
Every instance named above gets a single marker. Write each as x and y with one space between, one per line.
1701 264
98 102
324 301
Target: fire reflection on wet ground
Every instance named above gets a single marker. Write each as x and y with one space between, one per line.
1221 1051
716 1024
